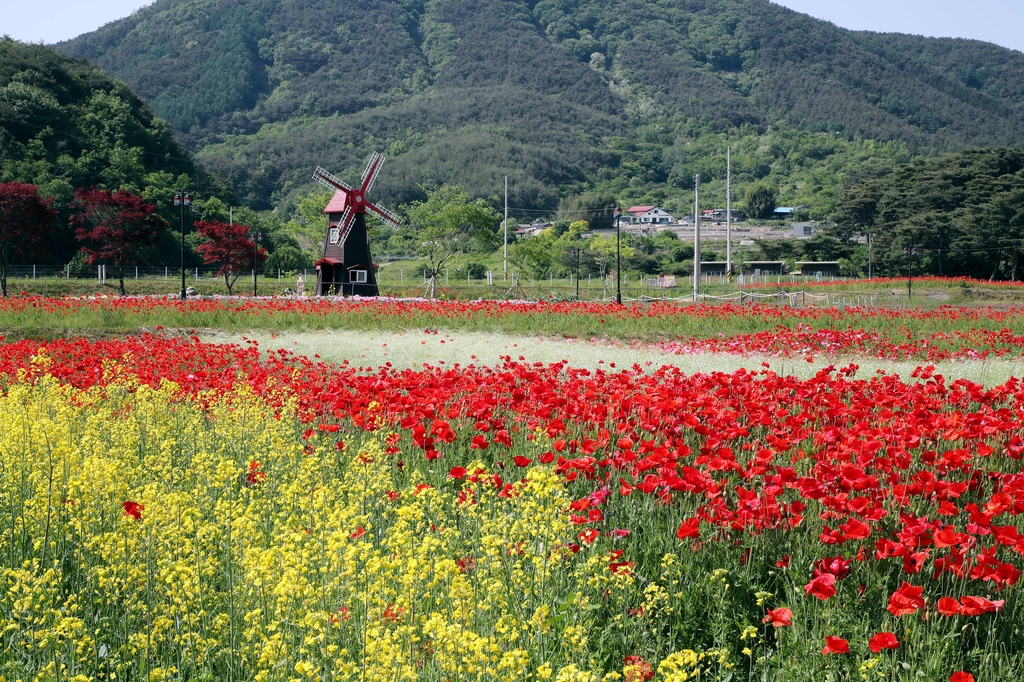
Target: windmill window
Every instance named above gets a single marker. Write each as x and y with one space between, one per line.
335 234
359 276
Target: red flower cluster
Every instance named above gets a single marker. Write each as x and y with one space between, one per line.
916 480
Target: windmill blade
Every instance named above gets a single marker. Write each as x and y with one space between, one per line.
384 214
329 181
373 167
345 225
339 226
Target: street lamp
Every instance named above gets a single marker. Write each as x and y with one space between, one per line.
909 253
181 200
618 261
255 256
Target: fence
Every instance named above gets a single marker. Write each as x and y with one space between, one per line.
399 282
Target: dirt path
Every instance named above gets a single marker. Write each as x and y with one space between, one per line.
414 349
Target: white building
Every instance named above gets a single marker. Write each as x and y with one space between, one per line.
649 215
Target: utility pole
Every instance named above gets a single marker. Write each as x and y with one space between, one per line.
578 271
728 211
255 257
618 263
870 269
505 270
181 200
909 253
696 236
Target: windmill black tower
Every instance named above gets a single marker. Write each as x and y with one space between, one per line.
346 267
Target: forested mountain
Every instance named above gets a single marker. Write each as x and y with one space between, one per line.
955 214
65 124
563 95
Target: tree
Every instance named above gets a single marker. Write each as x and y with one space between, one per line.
116 226
448 223
229 246
25 220
289 259
596 209
761 200
534 256
309 224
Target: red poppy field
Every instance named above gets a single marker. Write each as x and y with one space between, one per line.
508 522
917 334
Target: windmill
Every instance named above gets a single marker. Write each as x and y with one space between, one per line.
346 266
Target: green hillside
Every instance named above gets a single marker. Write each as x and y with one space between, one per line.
65 123
565 96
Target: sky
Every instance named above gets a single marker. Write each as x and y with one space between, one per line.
997 21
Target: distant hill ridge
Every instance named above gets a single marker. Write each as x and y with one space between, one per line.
566 95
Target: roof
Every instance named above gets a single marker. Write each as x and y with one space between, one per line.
817 262
337 203
329 261
764 262
784 209
639 209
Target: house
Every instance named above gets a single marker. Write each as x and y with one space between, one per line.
826 268
764 267
649 215
803 229
787 212
719 215
712 267
633 213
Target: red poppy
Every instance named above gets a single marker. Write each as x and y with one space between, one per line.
133 510
359 532
393 614
948 606
837 566
457 473
961 676
637 669
906 600
254 474
689 528
835 645
975 606
883 640
621 567
521 461
822 587
780 617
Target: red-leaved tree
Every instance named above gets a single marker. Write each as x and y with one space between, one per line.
230 247
116 226
25 220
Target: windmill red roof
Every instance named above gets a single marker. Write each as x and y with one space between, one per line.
337 203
